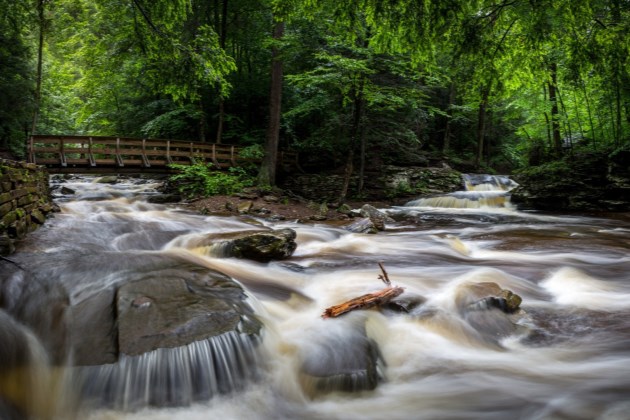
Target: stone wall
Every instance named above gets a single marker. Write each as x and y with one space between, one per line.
24 201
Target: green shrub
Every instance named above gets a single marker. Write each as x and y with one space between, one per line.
200 179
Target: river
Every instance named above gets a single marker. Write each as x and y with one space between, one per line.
564 355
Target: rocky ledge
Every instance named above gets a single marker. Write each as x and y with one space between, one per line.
594 181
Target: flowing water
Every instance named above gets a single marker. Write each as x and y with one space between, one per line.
566 355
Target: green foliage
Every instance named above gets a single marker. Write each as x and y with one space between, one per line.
556 169
16 76
254 151
418 71
173 124
199 179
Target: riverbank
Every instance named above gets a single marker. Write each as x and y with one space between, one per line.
281 205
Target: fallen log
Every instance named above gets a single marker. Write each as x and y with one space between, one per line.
368 300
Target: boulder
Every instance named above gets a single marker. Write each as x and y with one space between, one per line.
494 313
339 359
486 295
107 180
265 246
172 310
135 304
377 217
244 207
364 225
408 303
165 198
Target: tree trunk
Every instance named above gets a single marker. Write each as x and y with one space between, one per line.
618 107
267 174
590 116
569 131
202 122
362 159
40 58
617 70
354 133
222 41
481 123
221 118
446 144
555 113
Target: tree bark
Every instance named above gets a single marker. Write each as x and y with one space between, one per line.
555 113
481 123
354 133
40 59
590 116
267 173
446 143
368 300
222 42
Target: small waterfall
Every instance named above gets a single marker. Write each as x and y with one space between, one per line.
29 386
481 191
173 376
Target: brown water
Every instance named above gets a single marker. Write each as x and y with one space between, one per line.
568 358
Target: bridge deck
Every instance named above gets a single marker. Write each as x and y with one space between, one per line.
96 154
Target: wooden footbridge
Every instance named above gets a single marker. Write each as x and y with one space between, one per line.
98 154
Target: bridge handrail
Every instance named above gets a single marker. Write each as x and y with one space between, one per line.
107 151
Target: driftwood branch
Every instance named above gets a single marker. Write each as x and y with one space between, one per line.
366 301
384 276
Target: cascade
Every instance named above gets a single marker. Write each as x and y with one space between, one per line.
481 191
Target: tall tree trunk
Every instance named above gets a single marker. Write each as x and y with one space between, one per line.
357 112
40 59
618 108
221 118
566 116
481 123
202 122
590 115
555 113
362 157
577 114
267 173
222 41
617 70
446 143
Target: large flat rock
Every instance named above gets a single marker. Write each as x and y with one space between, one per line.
171 310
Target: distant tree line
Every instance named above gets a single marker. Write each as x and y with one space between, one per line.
352 84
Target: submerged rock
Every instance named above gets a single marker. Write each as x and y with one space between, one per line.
377 217
265 246
364 225
340 359
407 303
258 245
486 295
492 311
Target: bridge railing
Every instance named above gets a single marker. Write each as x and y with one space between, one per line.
123 152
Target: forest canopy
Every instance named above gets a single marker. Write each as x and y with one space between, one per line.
495 84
